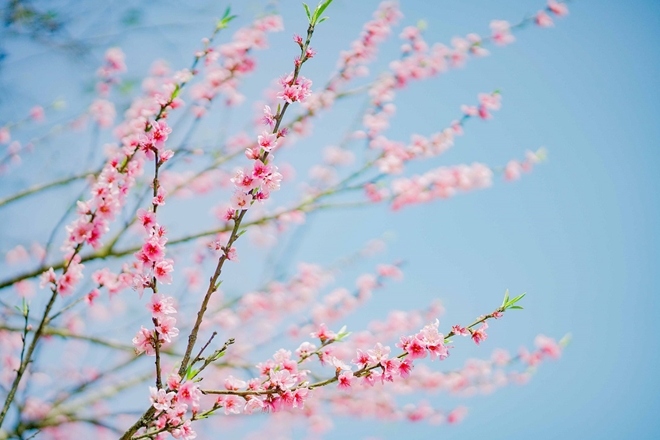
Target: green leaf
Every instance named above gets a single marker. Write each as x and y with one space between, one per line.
190 373
342 334
506 298
309 14
516 307
227 12
322 7
176 91
322 20
516 299
224 21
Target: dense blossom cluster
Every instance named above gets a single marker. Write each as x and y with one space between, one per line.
282 385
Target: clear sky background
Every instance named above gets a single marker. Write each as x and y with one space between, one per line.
579 234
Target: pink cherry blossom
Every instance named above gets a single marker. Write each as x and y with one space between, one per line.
548 346
543 19
144 342
173 381
323 333
37 113
231 404
161 399
267 141
501 32
479 335
184 431
166 329
241 200
557 8
163 270
161 305
190 394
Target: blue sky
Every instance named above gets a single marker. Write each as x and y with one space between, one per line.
579 234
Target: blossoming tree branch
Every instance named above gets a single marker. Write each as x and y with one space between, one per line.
181 363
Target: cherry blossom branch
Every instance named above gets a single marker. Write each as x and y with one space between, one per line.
367 368
238 217
59 286
293 91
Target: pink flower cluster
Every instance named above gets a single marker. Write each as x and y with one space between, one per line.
353 62
226 64
113 65
108 195
395 154
294 90
501 32
441 183
66 283
152 141
487 103
428 340
161 307
445 182
419 61
280 386
546 348
94 217
514 168
543 18
257 182
172 405
152 107
481 375
140 137
362 397
153 265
